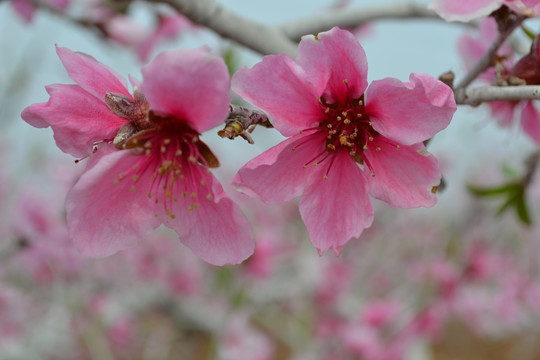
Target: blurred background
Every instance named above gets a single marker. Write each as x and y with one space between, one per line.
457 281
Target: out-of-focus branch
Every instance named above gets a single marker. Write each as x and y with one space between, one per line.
256 36
476 95
350 18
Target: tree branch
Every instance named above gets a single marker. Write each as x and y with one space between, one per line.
260 38
487 59
350 18
476 95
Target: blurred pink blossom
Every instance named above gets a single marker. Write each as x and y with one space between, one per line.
467 10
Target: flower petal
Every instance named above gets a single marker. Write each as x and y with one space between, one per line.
92 75
78 119
281 88
530 119
412 112
405 176
337 58
464 10
280 173
215 229
191 84
106 210
337 208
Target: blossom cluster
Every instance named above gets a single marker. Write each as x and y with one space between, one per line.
148 166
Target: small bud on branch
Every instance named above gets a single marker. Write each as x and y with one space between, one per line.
242 121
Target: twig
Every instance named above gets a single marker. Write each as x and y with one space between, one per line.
350 18
487 59
476 95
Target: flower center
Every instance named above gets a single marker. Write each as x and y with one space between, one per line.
347 127
171 151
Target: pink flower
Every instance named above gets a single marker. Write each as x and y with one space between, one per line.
467 10
345 140
26 9
507 113
147 164
128 32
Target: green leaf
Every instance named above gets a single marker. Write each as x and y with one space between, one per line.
493 191
522 209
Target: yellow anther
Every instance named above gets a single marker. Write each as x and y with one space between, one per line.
148 144
163 149
121 175
378 148
370 138
327 110
116 181
192 159
344 114
132 189
329 126
193 195
346 121
343 139
166 141
135 177
178 153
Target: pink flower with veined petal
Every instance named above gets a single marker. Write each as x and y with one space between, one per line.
346 139
507 113
467 10
147 163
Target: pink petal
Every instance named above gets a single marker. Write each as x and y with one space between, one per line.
464 10
337 58
191 84
108 212
216 230
336 209
412 112
281 88
503 111
78 119
280 174
404 175
530 119
91 75
25 9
